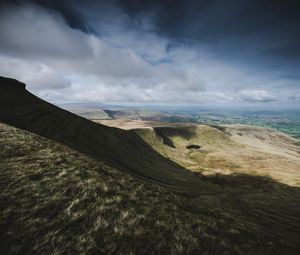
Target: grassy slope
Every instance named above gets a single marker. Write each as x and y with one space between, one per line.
57 200
229 149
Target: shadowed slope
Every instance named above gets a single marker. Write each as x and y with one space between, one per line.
124 150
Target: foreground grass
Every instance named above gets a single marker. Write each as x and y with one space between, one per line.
55 200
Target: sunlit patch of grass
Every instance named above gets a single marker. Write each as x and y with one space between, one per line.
221 163
209 138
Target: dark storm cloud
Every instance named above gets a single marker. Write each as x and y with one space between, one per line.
255 31
262 33
236 50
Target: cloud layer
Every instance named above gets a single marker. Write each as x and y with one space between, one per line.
104 53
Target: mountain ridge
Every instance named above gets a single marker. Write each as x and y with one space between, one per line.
21 109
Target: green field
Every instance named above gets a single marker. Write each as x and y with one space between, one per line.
287 121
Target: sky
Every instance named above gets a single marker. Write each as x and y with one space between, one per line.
233 52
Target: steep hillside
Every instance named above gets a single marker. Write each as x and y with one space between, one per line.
123 150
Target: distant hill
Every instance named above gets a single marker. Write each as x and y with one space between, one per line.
91 114
69 106
71 186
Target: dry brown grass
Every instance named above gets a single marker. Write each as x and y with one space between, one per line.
235 149
55 200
